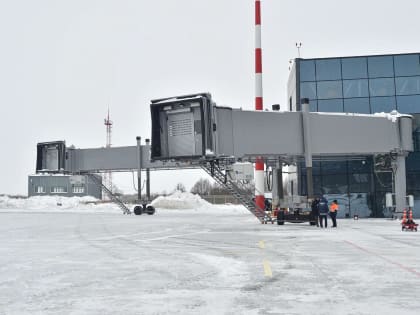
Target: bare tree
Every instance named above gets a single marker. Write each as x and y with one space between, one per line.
180 187
202 187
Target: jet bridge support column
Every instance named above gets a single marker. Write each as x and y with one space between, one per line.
277 184
148 174
139 168
400 183
307 146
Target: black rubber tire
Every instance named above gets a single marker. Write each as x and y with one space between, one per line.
280 218
150 210
138 210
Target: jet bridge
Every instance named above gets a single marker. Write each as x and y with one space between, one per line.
192 131
192 128
55 157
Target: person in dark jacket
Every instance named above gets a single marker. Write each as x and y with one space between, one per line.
315 210
323 211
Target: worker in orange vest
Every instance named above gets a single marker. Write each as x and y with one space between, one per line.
333 212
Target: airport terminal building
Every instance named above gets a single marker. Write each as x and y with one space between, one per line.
367 85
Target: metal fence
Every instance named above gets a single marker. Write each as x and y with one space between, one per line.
220 199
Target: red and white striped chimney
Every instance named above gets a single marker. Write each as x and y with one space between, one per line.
259 164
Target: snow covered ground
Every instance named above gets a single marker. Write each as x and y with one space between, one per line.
200 259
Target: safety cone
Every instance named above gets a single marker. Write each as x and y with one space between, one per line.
410 215
404 218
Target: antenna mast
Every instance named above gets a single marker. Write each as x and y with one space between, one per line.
108 175
298 46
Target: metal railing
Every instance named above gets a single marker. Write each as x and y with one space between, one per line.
242 197
111 196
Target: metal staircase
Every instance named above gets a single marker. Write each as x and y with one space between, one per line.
221 177
109 193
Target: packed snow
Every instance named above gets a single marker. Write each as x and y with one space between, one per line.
176 201
57 204
207 259
392 116
180 200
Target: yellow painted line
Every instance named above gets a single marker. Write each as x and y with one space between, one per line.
261 244
267 269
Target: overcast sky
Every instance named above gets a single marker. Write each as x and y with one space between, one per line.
62 63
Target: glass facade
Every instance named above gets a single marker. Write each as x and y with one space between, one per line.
366 84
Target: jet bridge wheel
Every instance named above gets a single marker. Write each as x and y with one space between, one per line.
138 210
150 210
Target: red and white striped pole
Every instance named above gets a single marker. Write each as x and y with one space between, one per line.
259 163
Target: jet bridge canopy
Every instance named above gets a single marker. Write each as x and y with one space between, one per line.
181 127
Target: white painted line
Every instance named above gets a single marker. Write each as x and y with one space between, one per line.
170 236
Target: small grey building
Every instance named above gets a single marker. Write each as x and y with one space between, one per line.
63 185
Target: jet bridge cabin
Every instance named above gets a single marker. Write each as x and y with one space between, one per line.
181 127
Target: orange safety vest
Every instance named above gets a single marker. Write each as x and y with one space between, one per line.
334 207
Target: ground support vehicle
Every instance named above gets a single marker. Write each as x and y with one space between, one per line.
144 208
294 209
295 215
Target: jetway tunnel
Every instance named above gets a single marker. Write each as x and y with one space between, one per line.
191 131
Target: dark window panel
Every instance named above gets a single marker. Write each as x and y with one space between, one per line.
308 90
383 181
413 182
360 166
382 104
307 70
359 182
329 89
355 88
381 66
328 69
379 207
317 187
407 85
382 87
354 68
407 65
316 167
335 105
408 104
334 184
334 167
416 139
357 105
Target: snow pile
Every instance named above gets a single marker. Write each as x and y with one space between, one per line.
180 200
392 116
54 203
